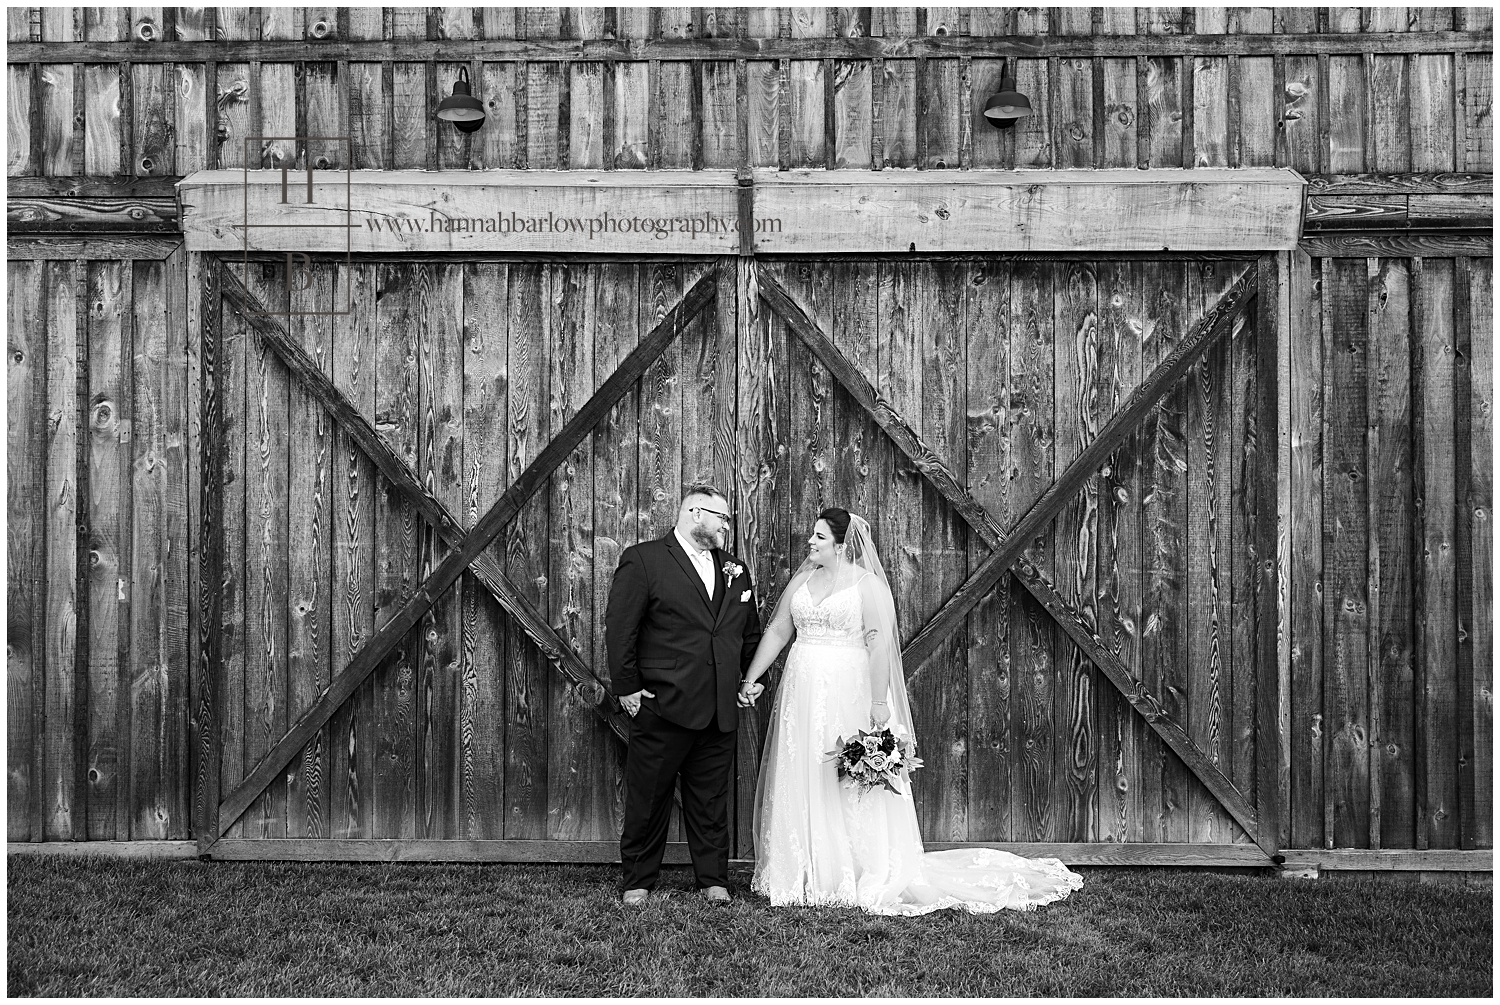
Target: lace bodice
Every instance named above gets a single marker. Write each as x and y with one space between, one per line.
835 621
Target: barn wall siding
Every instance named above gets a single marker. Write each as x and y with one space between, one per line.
1387 636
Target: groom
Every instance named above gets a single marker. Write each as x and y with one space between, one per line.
681 628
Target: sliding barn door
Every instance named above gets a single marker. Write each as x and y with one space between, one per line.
1090 678
1003 372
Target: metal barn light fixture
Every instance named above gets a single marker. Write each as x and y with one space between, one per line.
1007 106
461 108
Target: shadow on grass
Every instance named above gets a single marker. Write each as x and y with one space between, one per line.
110 927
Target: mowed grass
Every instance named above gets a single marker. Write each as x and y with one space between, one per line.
82 927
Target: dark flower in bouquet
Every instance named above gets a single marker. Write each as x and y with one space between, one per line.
879 758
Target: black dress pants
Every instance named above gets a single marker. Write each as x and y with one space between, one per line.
660 752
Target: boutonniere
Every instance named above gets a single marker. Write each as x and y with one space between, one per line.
732 570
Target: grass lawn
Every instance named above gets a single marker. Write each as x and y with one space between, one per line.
112 927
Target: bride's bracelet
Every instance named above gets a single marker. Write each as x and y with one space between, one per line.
877 703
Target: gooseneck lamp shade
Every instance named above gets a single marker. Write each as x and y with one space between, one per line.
1007 106
461 108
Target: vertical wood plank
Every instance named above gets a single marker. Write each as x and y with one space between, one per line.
760 476
352 739
1164 633
526 780
1345 552
1349 95
108 519
482 715
1463 556
1479 85
578 793
397 552
1432 125
1076 329
1301 127
1163 97
1209 617
176 633
310 470
899 94
266 452
943 334
1033 135
586 95
992 148
1306 549
232 106
411 118
1260 108
1250 454
440 452
1478 510
494 146
616 514
633 98
233 367
149 650
364 88
56 787
939 116
1121 731
805 92
26 460
326 115
1392 732
56 100
671 95
1075 113
1292 270
1437 801
1031 629
19 120
989 462
852 96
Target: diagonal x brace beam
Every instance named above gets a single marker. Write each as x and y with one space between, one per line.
306 370
1228 310
464 551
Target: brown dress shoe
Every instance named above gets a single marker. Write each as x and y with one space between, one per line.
716 895
634 897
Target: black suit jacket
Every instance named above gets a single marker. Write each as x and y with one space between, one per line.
664 635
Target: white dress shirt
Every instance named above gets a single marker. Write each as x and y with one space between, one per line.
703 561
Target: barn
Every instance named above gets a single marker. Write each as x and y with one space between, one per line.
1169 402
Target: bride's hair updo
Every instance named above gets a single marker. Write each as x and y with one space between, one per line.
838 522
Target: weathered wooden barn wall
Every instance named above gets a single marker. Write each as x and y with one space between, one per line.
1386 684
98 588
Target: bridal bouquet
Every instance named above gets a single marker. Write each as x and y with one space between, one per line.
871 759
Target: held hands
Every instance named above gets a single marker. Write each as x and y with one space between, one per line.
631 703
880 713
749 691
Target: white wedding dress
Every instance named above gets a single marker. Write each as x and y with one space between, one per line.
818 842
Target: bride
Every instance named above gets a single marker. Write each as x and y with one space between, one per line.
816 840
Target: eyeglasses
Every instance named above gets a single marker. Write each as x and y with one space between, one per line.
722 516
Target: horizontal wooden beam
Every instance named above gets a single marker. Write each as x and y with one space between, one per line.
463 553
391 850
1401 183
1398 245
129 249
105 849
540 50
310 377
1389 859
1366 183
92 186
457 850
696 213
91 214
1426 211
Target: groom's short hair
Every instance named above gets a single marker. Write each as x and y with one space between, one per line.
702 489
